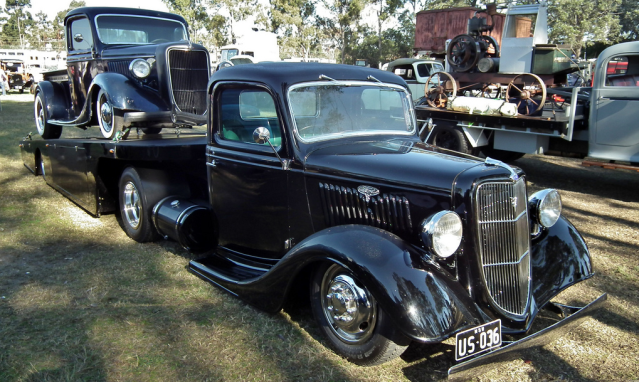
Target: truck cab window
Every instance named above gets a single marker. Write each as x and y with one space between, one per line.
244 110
81 37
623 71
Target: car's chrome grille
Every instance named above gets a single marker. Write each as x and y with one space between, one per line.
121 67
344 205
504 239
189 71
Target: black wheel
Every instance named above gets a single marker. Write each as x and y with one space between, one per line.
151 130
109 123
349 317
45 129
463 53
135 208
451 138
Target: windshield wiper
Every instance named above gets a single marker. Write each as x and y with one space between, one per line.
373 78
324 77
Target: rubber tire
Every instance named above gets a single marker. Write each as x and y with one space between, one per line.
451 138
386 343
145 230
151 130
116 123
502 155
45 129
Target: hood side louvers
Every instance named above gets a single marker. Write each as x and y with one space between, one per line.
345 205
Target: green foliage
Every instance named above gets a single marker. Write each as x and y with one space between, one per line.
296 22
574 21
629 12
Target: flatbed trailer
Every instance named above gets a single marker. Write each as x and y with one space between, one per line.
86 170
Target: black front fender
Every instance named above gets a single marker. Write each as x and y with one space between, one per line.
422 300
560 258
125 94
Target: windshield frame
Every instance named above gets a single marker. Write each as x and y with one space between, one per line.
97 29
346 134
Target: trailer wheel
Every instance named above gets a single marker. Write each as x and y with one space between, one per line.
350 318
134 209
45 129
451 138
109 123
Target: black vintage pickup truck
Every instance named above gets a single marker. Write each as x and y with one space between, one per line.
126 68
312 176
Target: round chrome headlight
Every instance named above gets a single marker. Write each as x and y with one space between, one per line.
545 207
140 68
442 233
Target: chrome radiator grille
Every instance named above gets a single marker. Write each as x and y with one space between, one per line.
344 205
504 238
189 73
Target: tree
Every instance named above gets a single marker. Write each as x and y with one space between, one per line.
58 23
42 31
19 20
575 21
341 24
238 10
194 12
629 11
296 21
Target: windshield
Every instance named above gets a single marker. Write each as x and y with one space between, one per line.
227 54
329 110
126 29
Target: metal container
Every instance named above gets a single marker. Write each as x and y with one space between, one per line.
552 59
188 223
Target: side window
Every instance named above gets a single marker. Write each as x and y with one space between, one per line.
81 37
244 110
623 71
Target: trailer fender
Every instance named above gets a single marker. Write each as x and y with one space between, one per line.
124 94
55 99
560 258
475 136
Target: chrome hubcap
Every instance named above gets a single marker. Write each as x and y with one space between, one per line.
349 308
132 205
106 114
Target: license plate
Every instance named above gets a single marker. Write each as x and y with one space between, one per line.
18 87
477 340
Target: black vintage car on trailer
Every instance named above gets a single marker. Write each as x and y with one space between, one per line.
126 68
316 179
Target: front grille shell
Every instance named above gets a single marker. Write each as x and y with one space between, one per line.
504 244
189 76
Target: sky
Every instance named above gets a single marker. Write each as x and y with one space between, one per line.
52 7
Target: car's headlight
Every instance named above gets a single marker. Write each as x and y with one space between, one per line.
442 233
545 207
140 68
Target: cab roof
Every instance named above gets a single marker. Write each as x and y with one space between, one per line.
279 75
91 12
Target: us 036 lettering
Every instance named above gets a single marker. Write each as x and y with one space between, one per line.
477 340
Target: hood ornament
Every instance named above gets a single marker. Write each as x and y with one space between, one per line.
368 192
494 162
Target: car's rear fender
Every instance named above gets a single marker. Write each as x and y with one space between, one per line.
55 99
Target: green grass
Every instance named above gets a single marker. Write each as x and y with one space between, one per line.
80 301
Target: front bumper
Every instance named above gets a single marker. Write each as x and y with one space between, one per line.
573 318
